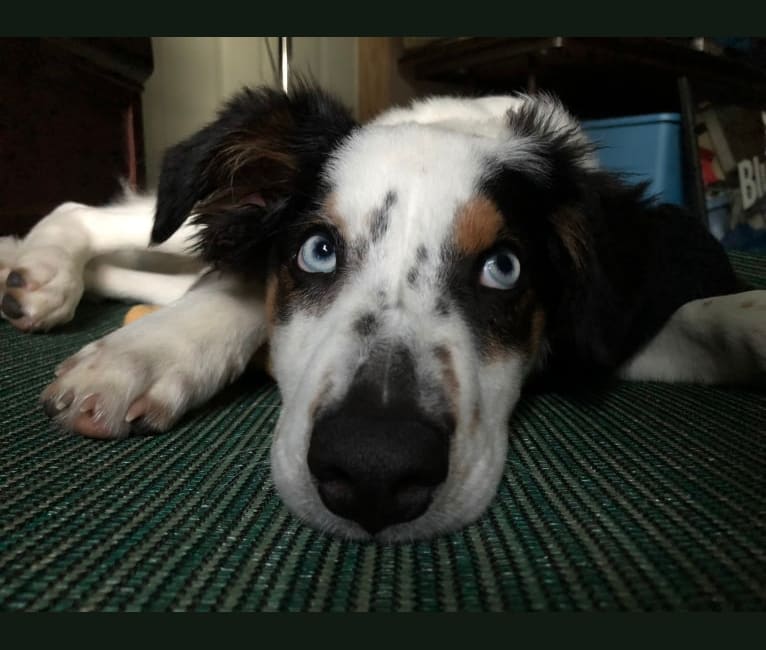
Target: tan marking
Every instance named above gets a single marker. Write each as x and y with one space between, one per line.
252 163
476 417
240 154
537 330
477 225
330 212
569 227
272 286
747 304
525 309
263 146
449 377
707 303
319 400
495 351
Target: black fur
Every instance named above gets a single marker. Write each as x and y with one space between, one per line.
250 170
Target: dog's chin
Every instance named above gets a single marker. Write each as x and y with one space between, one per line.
431 524
459 501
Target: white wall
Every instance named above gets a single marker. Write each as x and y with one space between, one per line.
192 76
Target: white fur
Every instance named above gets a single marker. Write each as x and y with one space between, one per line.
175 358
54 255
707 341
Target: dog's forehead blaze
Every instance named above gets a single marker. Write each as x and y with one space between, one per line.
478 223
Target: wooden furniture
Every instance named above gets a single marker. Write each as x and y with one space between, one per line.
595 77
70 123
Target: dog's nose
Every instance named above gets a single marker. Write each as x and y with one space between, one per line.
377 471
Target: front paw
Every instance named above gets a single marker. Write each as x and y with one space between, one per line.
41 288
119 386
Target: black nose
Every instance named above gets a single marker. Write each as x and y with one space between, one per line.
377 471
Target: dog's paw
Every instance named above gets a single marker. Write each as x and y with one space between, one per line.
40 287
121 385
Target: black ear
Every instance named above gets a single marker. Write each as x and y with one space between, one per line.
261 156
569 212
541 179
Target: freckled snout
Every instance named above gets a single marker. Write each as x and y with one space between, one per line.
377 457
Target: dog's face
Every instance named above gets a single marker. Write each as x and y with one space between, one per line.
406 286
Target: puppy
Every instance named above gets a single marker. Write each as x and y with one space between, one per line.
409 276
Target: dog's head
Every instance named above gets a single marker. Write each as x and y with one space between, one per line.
414 270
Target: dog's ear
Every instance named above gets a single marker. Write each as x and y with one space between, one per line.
540 178
612 262
549 183
261 157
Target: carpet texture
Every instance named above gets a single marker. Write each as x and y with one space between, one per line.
643 497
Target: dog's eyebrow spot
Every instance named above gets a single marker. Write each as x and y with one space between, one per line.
421 254
380 217
747 304
366 324
412 275
477 225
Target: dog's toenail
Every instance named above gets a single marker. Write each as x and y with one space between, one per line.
88 404
53 407
140 427
49 407
11 307
15 280
65 400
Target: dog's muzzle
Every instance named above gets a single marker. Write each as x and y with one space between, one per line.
377 458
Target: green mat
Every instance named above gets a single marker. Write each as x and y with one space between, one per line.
646 497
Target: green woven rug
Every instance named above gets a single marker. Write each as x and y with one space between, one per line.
646 497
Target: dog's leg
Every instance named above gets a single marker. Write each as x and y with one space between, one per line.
128 284
144 376
41 276
712 340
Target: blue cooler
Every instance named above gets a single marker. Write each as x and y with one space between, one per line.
643 147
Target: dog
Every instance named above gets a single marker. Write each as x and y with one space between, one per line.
409 277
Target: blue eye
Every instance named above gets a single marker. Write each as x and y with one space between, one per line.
501 270
317 254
